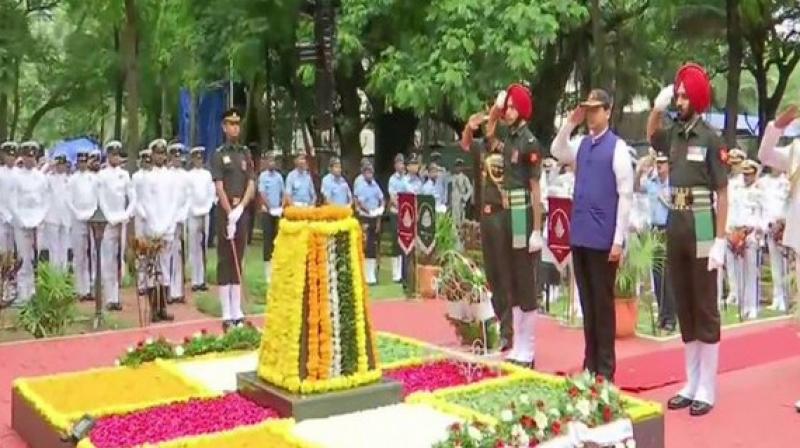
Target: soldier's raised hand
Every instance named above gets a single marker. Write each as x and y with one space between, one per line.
577 116
664 98
786 117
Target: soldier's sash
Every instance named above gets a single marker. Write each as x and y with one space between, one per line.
518 203
704 231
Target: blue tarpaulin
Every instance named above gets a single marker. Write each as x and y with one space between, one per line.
70 148
210 106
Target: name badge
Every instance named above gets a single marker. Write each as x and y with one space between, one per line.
696 153
226 160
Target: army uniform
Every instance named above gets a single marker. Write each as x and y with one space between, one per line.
29 207
8 150
117 201
232 166
202 197
697 161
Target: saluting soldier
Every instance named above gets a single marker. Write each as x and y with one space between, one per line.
511 216
695 228
334 188
8 152
397 185
300 191
233 175
117 201
177 250
29 207
202 196
58 218
369 205
82 202
270 187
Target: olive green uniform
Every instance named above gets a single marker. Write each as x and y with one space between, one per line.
511 272
697 169
233 166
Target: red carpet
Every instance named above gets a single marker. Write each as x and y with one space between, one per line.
662 368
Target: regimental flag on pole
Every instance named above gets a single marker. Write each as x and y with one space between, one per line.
406 221
426 223
558 229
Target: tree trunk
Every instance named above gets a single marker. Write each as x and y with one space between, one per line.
192 140
394 132
163 115
119 91
3 116
269 118
348 118
550 83
760 75
131 70
17 100
735 55
54 102
598 38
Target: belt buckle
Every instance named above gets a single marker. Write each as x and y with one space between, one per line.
681 198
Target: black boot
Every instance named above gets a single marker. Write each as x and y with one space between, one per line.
162 310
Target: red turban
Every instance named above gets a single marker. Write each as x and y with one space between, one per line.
698 88
522 100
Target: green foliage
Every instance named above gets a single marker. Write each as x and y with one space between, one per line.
52 308
148 351
645 252
469 332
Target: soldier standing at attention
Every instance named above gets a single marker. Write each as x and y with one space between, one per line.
511 219
270 187
202 196
57 220
8 151
334 188
462 193
369 206
139 223
232 172
177 250
695 228
397 184
300 191
82 202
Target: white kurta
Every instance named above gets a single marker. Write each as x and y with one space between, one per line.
786 159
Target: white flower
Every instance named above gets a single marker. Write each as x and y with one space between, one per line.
541 419
179 351
117 363
583 407
130 349
506 415
474 433
148 341
630 443
524 398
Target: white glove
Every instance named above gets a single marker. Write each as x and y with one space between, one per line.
500 101
276 211
235 214
664 98
716 256
231 230
535 242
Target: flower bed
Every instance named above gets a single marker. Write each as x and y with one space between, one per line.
168 422
396 426
217 373
439 374
393 349
65 398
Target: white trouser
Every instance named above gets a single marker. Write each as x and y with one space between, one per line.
702 361
57 237
777 262
25 240
230 300
81 245
110 258
6 237
176 264
197 240
524 344
733 286
746 273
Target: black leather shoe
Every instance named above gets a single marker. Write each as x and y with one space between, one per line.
195 288
202 287
226 325
114 307
699 408
679 402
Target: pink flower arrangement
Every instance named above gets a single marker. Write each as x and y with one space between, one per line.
438 375
162 423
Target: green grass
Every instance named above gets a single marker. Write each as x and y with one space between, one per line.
729 316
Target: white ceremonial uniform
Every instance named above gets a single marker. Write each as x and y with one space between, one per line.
58 220
139 224
735 184
6 215
202 196
748 213
182 191
82 202
776 194
786 159
117 201
29 206
160 210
